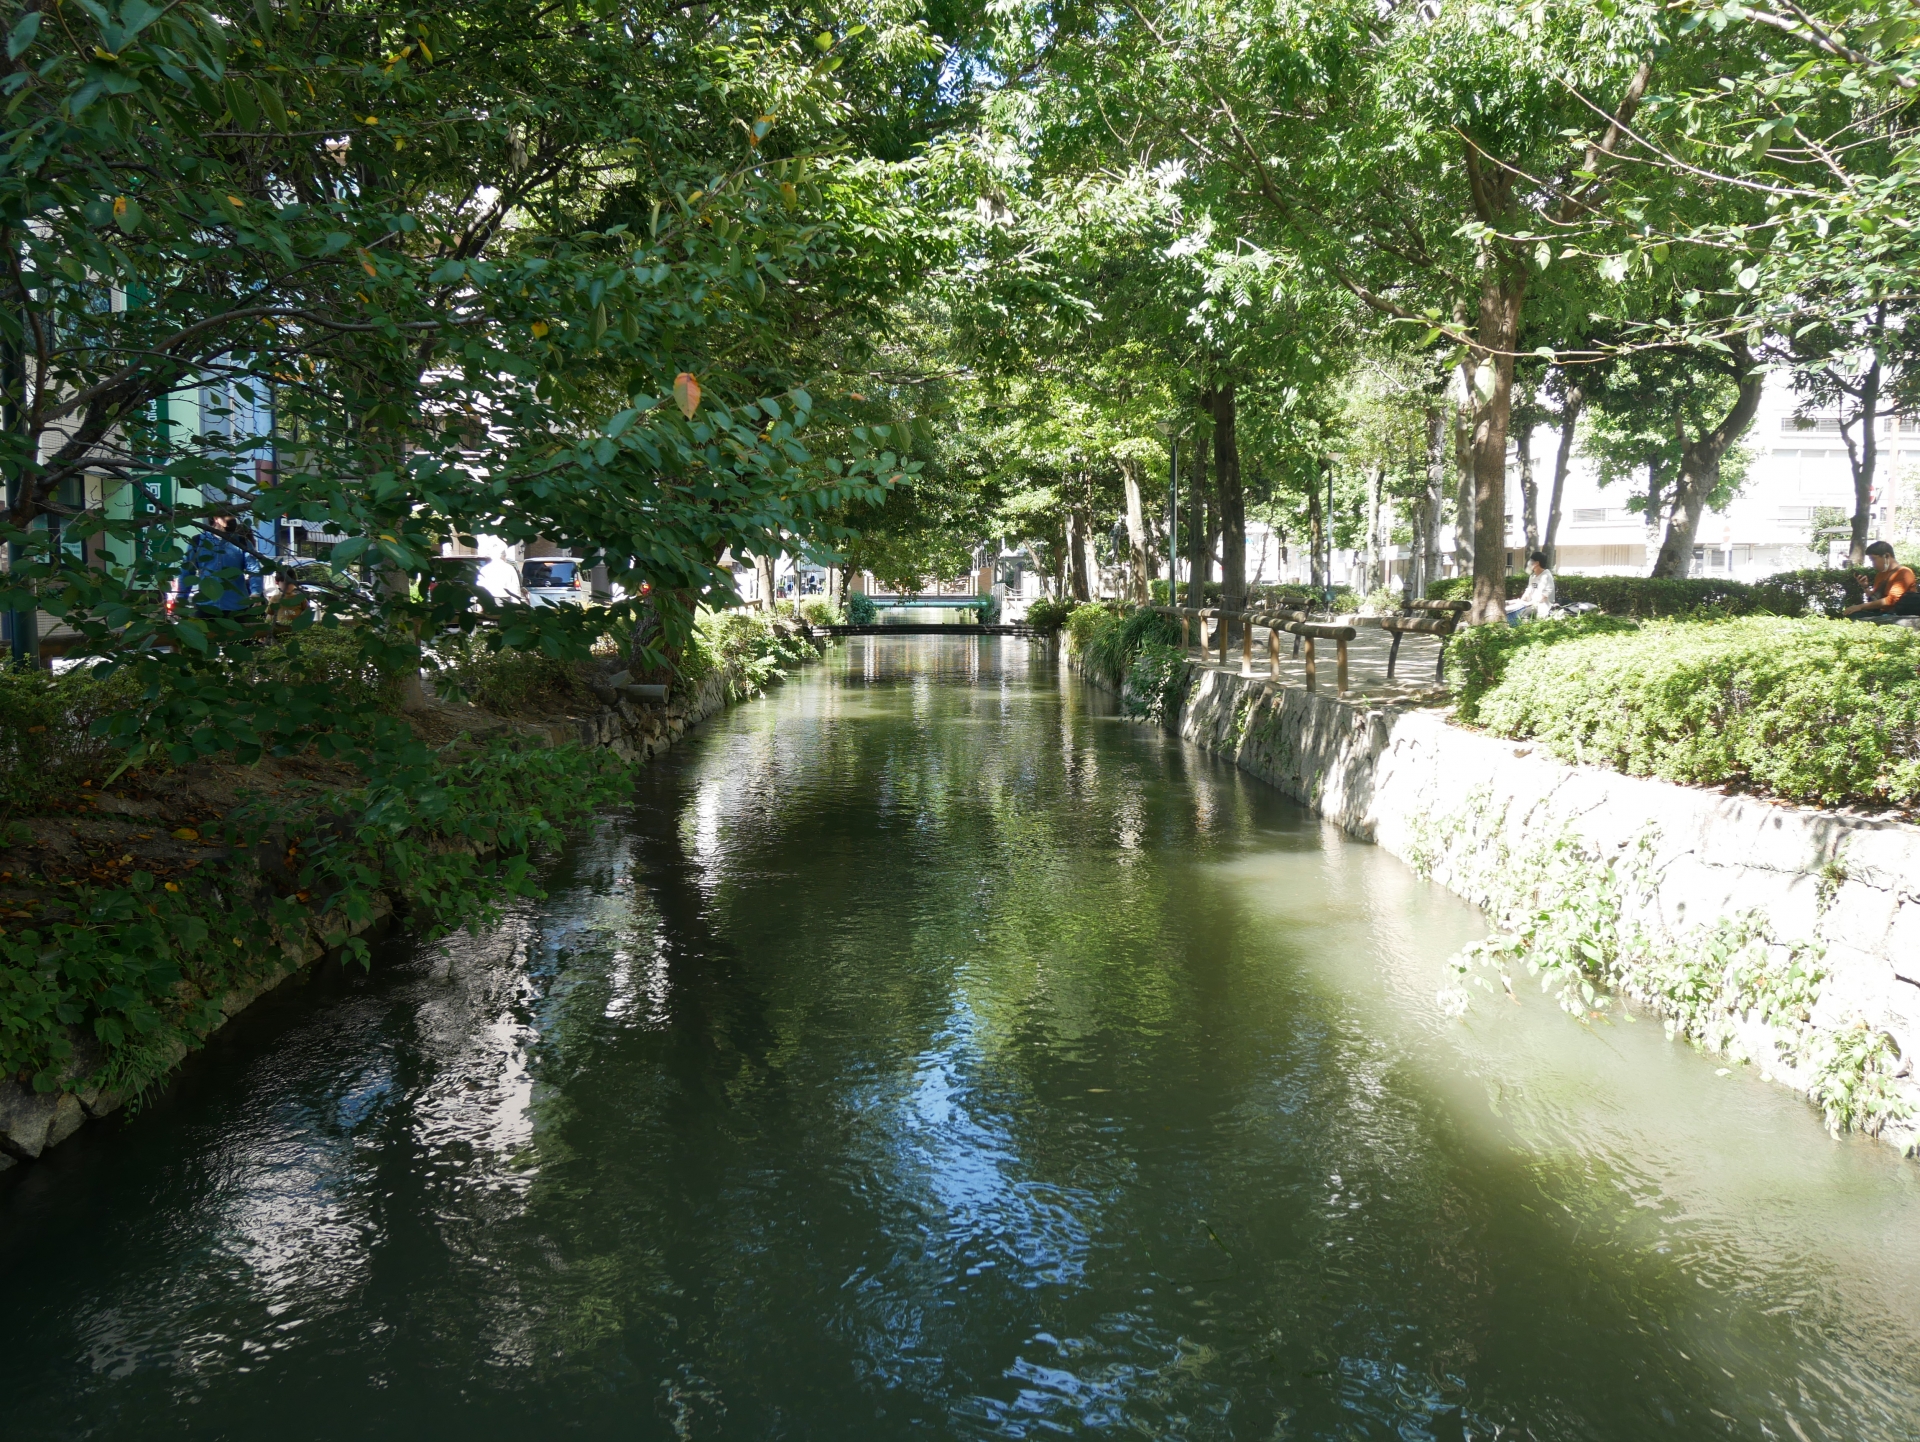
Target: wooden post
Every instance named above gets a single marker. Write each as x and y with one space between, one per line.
1311 673
1186 631
1341 673
1246 645
1273 651
1393 655
1222 634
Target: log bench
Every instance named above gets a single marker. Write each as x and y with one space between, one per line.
1432 618
1305 633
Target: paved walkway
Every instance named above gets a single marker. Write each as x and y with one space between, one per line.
1413 678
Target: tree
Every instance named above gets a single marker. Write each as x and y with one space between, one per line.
500 271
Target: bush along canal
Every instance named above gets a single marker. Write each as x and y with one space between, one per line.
927 1051
142 919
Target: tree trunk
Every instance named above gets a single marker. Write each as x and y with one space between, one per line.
1463 478
1375 579
1139 563
1199 541
1529 487
1700 469
1077 555
1233 505
413 687
1502 289
1656 508
1562 459
1863 458
1316 536
1435 502
763 577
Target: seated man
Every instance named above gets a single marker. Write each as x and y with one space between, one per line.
1537 600
1892 593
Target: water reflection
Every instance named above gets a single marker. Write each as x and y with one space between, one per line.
930 1053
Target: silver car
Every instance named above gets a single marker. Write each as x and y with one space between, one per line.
554 581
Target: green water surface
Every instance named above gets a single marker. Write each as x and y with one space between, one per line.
930 1053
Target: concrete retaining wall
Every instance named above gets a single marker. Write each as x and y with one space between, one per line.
1454 802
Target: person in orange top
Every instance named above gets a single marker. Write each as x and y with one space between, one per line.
1893 593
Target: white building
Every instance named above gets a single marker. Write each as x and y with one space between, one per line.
1794 469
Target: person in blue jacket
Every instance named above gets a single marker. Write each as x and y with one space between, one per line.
215 555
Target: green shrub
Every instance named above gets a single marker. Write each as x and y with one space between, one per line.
1809 710
509 682
47 741
1270 598
1049 613
1822 592
1107 638
1478 657
1647 597
753 646
137 973
1156 680
1088 622
860 610
818 611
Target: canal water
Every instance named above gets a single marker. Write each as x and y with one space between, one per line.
929 1053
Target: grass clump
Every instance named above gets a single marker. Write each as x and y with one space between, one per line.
1050 613
1107 638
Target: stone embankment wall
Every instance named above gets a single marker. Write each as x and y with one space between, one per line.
1697 875
633 728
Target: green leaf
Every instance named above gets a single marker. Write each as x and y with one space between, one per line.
22 34
270 102
241 103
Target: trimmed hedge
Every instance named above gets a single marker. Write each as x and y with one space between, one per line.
1478 657
1273 598
1647 597
1808 710
1823 592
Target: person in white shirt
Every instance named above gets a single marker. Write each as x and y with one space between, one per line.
1537 600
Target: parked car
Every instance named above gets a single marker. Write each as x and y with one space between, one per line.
554 581
300 583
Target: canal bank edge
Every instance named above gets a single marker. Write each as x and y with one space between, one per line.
31 1122
1781 936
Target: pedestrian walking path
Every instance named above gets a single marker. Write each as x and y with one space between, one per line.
1413 681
